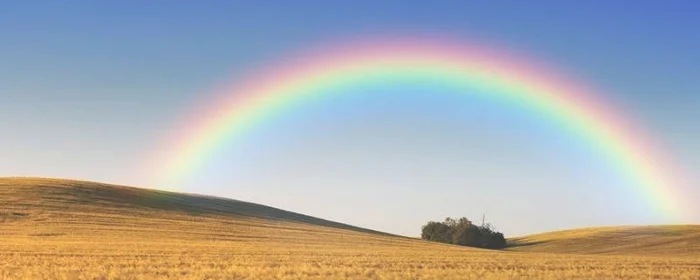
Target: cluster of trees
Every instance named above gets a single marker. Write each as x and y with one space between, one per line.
463 232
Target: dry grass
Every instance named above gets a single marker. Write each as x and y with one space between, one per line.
679 240
56 229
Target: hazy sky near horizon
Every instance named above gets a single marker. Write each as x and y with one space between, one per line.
88 90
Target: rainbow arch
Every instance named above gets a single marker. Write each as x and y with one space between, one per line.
457 63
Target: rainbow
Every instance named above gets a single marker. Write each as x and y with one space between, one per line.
320 72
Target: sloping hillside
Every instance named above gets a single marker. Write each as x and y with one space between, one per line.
638 240
61 229
40 199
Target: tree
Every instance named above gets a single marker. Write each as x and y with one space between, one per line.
435 231
463 232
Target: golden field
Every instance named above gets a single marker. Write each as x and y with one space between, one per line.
60 229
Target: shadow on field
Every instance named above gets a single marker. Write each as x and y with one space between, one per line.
516 244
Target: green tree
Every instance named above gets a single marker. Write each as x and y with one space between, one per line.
463 232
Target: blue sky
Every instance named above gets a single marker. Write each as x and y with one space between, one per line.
88 90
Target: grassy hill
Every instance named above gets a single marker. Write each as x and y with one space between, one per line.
62 229
638 240
31 198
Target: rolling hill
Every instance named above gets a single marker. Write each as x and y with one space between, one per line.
34 197
628 240
52 228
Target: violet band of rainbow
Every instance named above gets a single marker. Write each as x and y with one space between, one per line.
513 79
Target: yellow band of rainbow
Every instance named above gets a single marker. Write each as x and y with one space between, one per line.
320 72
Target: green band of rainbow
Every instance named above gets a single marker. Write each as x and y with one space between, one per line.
453 63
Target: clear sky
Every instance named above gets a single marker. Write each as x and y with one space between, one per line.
89 89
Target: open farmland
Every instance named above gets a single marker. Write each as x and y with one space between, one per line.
60 229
